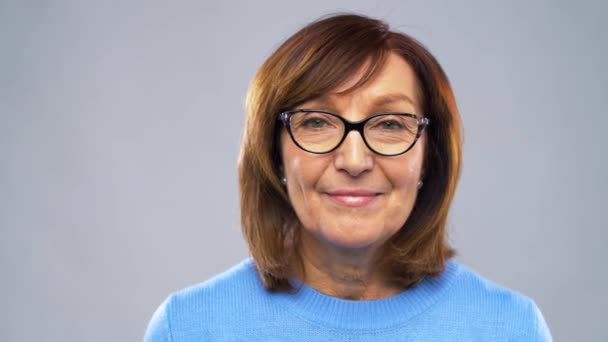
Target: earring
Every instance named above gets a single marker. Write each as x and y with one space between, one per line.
419 185
284 180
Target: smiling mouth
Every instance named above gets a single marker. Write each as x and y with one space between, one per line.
353 200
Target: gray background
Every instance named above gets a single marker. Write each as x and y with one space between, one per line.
120 123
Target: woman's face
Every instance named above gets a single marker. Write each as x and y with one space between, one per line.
351 197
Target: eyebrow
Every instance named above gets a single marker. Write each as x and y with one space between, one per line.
383 100
391 98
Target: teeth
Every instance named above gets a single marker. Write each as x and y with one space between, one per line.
354 200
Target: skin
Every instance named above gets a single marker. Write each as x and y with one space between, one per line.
340 244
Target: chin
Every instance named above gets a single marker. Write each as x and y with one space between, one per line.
354 237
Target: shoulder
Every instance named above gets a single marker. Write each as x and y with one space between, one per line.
241 278
495 304
211 302
478 288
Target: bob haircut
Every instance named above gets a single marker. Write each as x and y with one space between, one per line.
313 62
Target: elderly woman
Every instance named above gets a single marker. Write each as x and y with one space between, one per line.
350 159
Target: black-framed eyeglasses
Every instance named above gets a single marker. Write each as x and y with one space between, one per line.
319 131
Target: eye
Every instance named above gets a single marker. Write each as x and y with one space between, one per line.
390 124
314 123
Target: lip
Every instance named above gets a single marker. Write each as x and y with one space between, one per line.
353 197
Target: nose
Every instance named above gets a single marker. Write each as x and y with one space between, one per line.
353 156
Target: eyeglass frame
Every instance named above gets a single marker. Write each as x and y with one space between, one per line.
349 126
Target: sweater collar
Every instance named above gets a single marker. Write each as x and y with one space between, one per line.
340 313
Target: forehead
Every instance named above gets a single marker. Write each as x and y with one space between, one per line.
394 82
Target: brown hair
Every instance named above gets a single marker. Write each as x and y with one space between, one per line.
312 62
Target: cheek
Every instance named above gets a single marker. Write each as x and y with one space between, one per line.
302 169
405 171
413 171
404 176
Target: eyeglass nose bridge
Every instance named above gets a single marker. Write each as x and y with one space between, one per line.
354 126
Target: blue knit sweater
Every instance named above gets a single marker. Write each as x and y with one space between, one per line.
459 305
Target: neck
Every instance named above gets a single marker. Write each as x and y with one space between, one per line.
342 272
